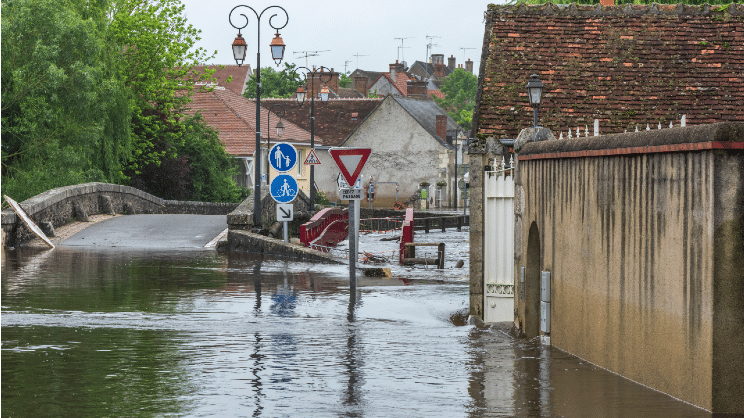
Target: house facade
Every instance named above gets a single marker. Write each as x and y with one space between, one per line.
409 141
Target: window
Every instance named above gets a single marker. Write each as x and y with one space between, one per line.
300 160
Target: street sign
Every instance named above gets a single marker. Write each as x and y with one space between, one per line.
283 157
341 182
350 194
283 188
284 212
312 158
350 161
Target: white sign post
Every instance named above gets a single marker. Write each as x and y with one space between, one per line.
351 162
285 214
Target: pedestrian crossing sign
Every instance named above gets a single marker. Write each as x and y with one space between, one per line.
312 158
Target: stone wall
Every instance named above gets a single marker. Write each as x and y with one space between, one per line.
643 234
64 204
246 241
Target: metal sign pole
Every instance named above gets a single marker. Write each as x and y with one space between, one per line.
353 237
286 231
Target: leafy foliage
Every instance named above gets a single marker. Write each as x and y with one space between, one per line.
459 101
344 80
93 90
157 66
65 113
275 84
211 167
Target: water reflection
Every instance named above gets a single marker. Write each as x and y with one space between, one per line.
197 333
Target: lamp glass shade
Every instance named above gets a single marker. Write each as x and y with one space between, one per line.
277 49
239 47
300 94
324 92
280 129
534 90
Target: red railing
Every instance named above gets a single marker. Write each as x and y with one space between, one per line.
326 229
406 235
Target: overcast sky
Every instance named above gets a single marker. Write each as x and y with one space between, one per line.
347 32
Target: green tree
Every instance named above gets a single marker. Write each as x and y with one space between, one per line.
211 167
157 66
459 89
275 84
65 112
344 80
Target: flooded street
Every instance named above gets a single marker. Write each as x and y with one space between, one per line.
199 333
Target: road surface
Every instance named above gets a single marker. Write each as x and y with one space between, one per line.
150 231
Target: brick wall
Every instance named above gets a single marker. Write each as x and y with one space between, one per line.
624 65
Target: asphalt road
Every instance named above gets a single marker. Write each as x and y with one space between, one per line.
150 231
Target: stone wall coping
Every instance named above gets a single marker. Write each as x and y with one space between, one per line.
724 132
52 197
584 11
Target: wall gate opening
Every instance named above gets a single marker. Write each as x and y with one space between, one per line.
498 245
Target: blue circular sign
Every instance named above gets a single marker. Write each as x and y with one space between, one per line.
284 188
283 157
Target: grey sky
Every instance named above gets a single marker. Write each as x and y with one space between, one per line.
347 29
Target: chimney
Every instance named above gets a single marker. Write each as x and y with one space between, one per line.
394 68
416 88
442 126
360 84
437 59
451 62
469 66
333 84
317 81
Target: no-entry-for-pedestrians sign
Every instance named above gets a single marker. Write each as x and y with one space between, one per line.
283 157
284 188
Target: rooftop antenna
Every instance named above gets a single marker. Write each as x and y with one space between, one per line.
463 52
430 45
309 54
401 47
345 64
357 57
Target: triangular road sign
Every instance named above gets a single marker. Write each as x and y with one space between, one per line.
312 158
350 161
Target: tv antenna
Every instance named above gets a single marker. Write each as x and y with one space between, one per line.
357 57
401 47
309 54
463 53
345 64
430 45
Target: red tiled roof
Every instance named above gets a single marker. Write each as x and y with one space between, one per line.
625 65
400 83
437 93
333 120
234 117
240 75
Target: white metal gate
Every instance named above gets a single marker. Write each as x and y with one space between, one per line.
498 244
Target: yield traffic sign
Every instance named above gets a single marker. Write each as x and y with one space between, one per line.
350 161
283 188
312 158
283 157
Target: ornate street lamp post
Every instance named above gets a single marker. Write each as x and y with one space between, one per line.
534 93
279 133
324 77
239 48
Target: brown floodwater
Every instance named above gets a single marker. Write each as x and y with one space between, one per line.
89 332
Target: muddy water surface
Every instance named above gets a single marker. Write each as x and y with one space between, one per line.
199 333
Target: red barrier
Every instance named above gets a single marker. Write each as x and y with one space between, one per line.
326 229
406 234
